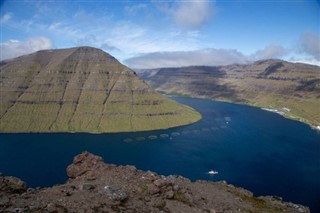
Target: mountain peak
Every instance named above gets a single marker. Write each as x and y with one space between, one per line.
88 49
81 89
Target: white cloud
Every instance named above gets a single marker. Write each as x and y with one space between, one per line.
108 47
309 43
54 26
15 48
5 18
135 9
270 51
306 61
63 29
121 38
190 14
87 40
133 39
210 57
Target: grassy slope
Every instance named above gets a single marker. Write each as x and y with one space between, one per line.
304 109
82 90
270 84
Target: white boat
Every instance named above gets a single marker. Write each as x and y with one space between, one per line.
212 172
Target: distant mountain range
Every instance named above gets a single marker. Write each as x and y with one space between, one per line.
290 89
81 89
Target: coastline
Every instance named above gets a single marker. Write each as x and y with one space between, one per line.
286 113
98 133
197 142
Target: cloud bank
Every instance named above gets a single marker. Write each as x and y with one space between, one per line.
15 48
309 43
210 57
270 51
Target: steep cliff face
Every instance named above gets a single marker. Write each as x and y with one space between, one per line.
81 90
94 186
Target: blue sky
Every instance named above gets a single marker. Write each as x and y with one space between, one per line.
158 33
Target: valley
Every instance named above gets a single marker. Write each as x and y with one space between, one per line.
291 89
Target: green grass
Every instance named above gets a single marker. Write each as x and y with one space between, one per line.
84 107
259 205
305 108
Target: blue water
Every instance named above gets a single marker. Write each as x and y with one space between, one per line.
255 149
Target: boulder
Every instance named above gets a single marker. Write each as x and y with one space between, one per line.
161 182
12 184
115 193
152 189
83 163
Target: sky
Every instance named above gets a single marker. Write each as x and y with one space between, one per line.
166 33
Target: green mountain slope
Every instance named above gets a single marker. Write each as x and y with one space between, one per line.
291 88
81 90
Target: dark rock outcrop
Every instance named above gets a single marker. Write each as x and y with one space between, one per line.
98 187
12 184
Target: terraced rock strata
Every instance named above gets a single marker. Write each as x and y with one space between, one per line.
81 90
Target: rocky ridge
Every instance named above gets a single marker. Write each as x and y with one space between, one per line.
95 186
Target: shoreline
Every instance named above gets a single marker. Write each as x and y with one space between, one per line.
100 133
283 114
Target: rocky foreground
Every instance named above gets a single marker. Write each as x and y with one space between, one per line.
95 186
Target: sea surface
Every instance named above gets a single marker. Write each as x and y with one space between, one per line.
249 147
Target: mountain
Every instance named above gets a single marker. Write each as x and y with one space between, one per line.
81 89
95 186
292 89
